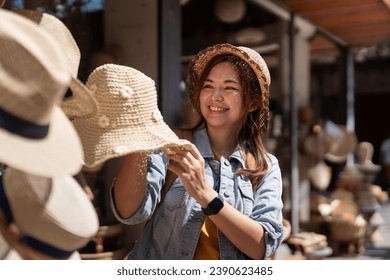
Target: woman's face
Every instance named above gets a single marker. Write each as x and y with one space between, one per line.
221 98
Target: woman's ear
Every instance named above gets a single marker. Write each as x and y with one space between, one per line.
254 105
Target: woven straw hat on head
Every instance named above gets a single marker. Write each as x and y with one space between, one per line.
54 215
128 119
35 134
250 56
81 103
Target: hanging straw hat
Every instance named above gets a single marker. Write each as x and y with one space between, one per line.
128 119
320 175
250 56
81 103
340 142
230 11
35 135
53 215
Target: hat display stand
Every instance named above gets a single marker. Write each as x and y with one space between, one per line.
347 227
366 199
355 217
320 174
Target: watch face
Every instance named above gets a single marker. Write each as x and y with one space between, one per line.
214 206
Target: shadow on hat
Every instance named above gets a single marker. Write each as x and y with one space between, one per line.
44 218
128 118
35 134
80 103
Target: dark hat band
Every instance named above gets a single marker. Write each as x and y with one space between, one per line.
16 125
28 240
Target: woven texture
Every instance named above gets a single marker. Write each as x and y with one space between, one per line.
128 119
81 103
56 211
33 81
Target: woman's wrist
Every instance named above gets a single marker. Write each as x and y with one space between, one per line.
207 197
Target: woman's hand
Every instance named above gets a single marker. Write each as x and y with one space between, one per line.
189 165
242 231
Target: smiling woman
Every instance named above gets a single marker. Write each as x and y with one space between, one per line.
226 201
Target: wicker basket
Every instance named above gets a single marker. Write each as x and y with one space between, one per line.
343 231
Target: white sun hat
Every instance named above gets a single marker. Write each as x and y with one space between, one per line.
81 102
53 215
35 134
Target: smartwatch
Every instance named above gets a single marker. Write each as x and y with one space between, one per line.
214 206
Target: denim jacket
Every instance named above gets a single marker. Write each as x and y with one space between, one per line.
173 232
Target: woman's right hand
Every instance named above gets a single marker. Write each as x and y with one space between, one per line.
189 165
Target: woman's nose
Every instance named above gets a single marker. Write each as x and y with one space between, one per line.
217 95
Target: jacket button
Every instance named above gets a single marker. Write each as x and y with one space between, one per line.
228 193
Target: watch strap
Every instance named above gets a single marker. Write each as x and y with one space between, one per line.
214 206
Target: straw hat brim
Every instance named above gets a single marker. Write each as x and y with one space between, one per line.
55 210
81 104
101 144
338 149
59 153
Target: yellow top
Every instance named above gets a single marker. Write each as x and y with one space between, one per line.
208 248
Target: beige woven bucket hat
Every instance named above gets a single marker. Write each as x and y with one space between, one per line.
35 134
81 103
53 215
128 118
250 56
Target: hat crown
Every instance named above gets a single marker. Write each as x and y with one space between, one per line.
61 34
124 94
32 74
128 118
80 103
259 62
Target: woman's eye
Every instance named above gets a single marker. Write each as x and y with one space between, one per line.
231 88
207 86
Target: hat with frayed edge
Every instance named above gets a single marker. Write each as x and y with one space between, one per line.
250 56
54 215
81 103
35 134
128 118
